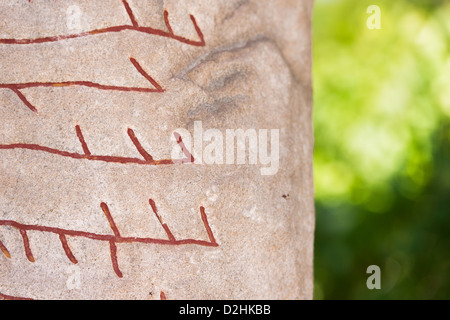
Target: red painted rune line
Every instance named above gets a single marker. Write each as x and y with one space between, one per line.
87 155
17 87
24 99
7 297
133 27
112 239
26 244
4 250
66 248
162 296
165 227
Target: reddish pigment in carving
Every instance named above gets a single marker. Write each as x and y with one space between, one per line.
86 155
26 244
16 87
162 296
82 141
66 248
6 297
4 250
139 147
166 228
108 215
207 227
146 76
24 100
130 13
115 263
166 21
112 239
157 88
133 27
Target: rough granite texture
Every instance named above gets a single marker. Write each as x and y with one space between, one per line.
62 86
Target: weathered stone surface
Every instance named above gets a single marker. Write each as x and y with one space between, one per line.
79 191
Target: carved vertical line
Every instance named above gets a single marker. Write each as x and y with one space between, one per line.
130 13
82 141
24 99
5 250
166 21
26 244
108 215
198 30
165 227
139 147
66 248
115 264
207 227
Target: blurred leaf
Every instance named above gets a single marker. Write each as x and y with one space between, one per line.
382 157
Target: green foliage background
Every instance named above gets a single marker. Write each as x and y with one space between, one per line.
382 154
